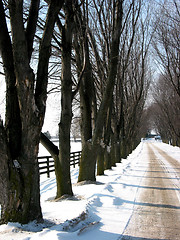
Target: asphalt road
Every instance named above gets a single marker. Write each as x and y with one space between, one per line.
156 213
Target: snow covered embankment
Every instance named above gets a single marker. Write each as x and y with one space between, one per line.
99 211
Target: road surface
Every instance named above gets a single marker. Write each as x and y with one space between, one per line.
156 213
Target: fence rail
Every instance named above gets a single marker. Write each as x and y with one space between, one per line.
46 163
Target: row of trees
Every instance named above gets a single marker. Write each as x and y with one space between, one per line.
100 48
166 112
112 87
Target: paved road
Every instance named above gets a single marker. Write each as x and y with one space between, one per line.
157 209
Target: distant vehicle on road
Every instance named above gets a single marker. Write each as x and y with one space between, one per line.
158 138
152 138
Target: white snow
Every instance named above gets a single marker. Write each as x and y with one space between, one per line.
97 211
75 147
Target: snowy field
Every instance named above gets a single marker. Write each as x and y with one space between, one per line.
97 211
75 147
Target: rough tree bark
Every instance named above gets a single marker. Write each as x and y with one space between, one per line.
20 138
63 164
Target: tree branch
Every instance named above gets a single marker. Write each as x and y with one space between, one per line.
31 25
44 55
50 146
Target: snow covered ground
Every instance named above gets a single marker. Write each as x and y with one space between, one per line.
75 147
97 211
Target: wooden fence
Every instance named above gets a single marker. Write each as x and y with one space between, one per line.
46 163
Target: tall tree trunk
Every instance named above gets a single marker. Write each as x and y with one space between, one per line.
107 159
86 92
4 173
21 201
117 152
100 161
63 165
86 96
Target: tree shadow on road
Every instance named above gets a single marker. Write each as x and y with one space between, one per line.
149 204
138 238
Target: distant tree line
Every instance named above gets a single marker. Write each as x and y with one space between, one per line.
165 110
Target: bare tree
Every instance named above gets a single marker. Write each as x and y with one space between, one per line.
89 152
62 155
167 54
166 42
25 108
167 111
63 171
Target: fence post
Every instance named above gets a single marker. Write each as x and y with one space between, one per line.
74 159
48 173
74 155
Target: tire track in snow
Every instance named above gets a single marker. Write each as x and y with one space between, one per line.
174 168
